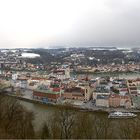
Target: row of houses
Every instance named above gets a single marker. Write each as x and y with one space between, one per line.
57 90
113 100
112 93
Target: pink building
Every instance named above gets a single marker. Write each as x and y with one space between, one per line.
114 100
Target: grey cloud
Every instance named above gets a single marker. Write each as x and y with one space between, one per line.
120 25
117 23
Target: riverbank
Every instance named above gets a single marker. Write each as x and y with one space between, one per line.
115 72
77 107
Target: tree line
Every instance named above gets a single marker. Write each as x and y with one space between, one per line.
68 123
16 122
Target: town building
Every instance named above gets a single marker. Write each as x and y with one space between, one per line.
116 100
63 73
46 94
102 100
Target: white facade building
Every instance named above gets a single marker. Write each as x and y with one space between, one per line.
61 73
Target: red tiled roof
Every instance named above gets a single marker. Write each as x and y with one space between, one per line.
56 89
125 97
138 79
38 78
134 92
123 89
114 96
133 88
56 71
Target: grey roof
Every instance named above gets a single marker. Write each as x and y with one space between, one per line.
105 97
102 89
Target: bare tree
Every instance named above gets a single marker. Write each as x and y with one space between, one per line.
63 122
15 121
101 126
126 129
130 129
84 126
45 134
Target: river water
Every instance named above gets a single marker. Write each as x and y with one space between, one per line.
117 75
40 111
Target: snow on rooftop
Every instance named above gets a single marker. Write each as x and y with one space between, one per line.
3 51
29 55
91 58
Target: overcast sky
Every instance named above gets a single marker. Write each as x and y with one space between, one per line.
44 23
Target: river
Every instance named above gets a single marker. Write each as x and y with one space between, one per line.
40 111
117 75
